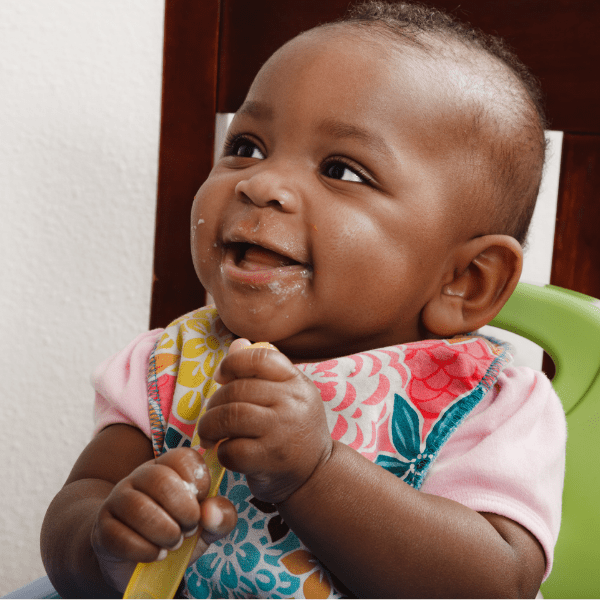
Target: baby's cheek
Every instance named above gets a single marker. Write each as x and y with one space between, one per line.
205 261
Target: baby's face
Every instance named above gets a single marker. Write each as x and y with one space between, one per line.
331 218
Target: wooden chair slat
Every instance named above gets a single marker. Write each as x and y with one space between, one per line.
557 40
214 48
576 260
186 150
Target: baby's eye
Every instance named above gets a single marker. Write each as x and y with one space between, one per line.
244 148
341 171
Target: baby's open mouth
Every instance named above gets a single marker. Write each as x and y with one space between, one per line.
249 264
255 258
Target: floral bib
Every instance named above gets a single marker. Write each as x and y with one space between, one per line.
397 406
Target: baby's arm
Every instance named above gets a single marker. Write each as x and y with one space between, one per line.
120 506
383 538
378 535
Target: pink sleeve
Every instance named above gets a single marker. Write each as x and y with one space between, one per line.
508 456
120 384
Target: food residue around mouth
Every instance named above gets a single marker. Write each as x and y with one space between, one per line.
256 266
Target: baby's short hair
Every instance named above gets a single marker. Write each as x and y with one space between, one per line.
515 161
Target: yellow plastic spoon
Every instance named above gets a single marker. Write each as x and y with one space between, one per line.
161 578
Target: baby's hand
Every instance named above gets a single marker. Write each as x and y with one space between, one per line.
151 511
273 418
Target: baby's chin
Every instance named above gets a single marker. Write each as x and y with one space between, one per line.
259 324
300 346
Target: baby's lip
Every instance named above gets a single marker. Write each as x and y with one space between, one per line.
261 265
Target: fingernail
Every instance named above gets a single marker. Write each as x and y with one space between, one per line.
189 534
162 554
267 345
239 344
177 545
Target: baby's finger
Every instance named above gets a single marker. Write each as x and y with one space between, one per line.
117 542
233 420
218 520
259 392
175 507
236 345
189 465
259 362
137 510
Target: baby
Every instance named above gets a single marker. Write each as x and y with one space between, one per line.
368 210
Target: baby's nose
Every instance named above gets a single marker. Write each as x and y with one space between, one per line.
269 188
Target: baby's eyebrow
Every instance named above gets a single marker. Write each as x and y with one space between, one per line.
258 110
339 129
329 126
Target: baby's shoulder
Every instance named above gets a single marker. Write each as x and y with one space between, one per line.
522 400
520 385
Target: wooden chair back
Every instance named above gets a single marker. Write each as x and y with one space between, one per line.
214 48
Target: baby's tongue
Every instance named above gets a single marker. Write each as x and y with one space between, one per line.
257 258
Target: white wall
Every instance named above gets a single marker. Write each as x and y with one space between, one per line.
80 86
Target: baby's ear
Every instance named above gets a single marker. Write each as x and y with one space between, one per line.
486 271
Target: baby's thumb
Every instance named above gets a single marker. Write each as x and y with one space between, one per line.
239 344
218 520
236 345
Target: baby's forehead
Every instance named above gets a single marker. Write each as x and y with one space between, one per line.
432 87
465 77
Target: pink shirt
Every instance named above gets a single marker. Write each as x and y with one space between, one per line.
507 457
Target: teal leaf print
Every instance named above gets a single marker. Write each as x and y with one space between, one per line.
248 557
240 532
406 437
238 495
406 430
291 584
208 563
228 576
265 580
